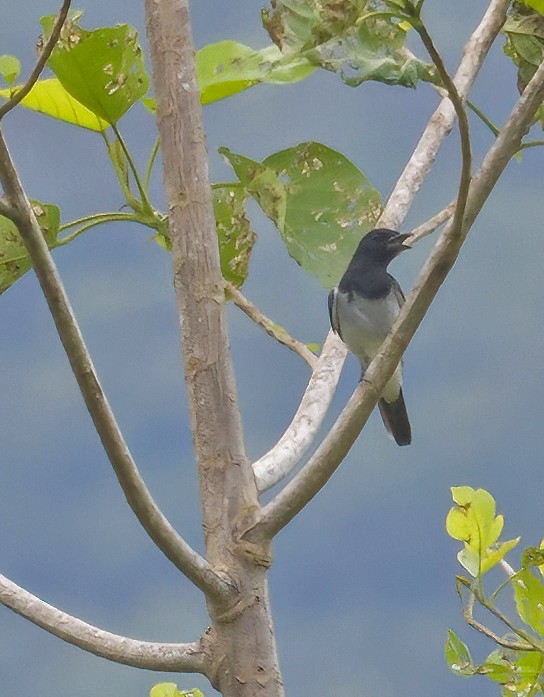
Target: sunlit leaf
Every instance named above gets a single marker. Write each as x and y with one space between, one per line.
321 203
458 656
519 672
103 69
49 97
236 238
529 596
14 259
537 5
10 67
170 689
473 521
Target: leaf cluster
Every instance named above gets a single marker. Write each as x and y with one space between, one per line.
517 663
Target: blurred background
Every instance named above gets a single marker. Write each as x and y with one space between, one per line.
363 584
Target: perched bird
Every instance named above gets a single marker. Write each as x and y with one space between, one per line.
363 308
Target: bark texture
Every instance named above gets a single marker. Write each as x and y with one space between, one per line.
242 657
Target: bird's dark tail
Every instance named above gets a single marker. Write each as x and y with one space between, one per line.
395 419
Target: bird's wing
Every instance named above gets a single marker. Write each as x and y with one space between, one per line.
333 312
397 290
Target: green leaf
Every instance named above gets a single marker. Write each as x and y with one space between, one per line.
321 203
335 36
458 656
473 521
14 259
49 97
170 689
518 671
537 5
529 597
236 238
525 45
228 67
103 69
10 67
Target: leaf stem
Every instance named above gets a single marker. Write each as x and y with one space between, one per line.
143 194
480 114
152 158
100 221
100 217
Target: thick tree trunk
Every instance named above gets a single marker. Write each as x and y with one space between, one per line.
242 653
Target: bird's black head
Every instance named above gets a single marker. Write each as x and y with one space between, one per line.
380 246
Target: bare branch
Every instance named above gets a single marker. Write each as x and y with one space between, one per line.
6 209
320 391
304 486
271 328
40 65
195 567
428 227
284 456
469 619
179 658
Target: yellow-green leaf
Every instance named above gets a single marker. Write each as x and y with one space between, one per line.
49 97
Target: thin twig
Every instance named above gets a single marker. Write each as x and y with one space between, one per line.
464 129
468 611
179 658
187 560
133 168
428 227
40 65
537 645
314 475
271 328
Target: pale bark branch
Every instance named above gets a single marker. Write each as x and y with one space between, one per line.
187 560
305 485
283 458
179 658
429 226
47 50
278 333
228 490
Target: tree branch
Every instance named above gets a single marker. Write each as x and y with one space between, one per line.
270 327
305 485
428 227
195 567
468 616
179 658
40 65
283 458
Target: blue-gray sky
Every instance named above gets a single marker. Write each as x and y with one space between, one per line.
363 584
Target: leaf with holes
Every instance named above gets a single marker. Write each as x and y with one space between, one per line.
321 203
14 259
102 69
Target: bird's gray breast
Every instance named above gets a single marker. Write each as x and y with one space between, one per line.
364 323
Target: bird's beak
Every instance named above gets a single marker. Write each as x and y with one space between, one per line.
401 242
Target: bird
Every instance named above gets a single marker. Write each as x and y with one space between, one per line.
362 310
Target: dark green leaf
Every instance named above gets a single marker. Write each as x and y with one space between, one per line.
10 67
321 203
529 596
336 36
525 46
14 260
458 656
532 556
103 69
236 238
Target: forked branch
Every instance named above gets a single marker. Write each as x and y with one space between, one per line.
187 560
288 452
338 442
